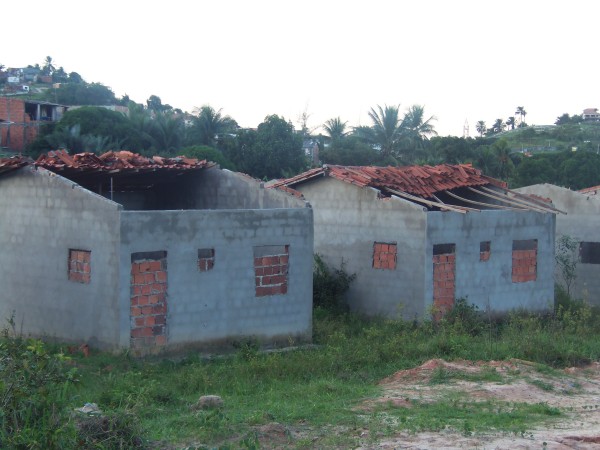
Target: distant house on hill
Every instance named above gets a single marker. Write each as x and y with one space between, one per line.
420 237
22 118
591 114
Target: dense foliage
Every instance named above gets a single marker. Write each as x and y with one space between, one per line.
509 149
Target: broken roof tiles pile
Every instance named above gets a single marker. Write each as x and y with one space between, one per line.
13 163
121 161
423 181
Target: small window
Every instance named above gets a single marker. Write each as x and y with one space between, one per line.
79 266
589 252
524 260
485 249
271 263
444 249
384 255
206 259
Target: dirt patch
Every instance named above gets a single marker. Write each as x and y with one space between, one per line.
574 391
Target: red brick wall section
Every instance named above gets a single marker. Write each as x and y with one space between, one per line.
206 259
79 266
443 283
485 250
148 305
524 265
271 272
384 256
23 131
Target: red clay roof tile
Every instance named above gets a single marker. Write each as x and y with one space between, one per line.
423 181
13 163
122 161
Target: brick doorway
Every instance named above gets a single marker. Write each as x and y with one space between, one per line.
148 315
444 269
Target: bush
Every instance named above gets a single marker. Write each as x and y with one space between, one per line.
465 318
33 390
329 285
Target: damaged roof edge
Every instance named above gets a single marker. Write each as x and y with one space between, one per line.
420 184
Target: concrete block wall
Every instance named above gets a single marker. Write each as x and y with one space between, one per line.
222 189
216 306
582 222
349 222
42 217
487 280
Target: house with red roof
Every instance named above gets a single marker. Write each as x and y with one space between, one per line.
152 255
420 237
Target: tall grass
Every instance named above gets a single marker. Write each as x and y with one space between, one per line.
315 387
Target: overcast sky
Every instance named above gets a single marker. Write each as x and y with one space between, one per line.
461 59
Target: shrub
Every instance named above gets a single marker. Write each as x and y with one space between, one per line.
33 387
465 318
330 285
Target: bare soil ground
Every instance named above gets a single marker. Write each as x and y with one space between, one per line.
575 391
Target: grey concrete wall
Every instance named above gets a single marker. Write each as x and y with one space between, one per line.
582 222
222 189
42 216
348 220
220 304
489 284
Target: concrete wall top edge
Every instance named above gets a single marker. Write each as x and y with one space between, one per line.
71 184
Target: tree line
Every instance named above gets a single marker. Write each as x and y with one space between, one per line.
275 148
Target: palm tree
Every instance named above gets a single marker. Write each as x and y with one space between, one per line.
48 68
413 125
415 132
511 122
335 129
521 112
209 124
167 132
386 131
498 126
481 128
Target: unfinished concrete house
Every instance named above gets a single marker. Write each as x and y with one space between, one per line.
418 238
20 120
121 251
582 223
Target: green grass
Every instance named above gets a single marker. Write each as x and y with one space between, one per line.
469 417
318 388
441 375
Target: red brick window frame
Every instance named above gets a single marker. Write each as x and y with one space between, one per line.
79 266
206 259
384 255
271 266
485 250
524 260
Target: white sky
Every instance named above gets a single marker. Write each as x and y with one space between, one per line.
461 59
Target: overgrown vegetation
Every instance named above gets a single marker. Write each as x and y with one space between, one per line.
314 388
330 285
37 399
33 394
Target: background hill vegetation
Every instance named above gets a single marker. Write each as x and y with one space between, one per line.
566 153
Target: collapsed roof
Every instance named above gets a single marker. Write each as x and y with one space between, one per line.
12 163
445 187
128 170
